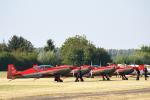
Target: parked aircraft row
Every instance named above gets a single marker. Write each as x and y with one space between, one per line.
41 71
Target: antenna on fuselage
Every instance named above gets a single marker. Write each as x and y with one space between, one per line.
91 63
100 63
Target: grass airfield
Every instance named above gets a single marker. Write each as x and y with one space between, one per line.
30 88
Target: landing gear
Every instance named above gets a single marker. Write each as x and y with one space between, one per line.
77 79
124 77
79 76
105 77
57 78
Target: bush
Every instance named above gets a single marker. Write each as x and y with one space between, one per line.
5 59
22 60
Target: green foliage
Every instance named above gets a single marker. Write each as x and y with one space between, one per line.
23 60
48 57
101 57
73 50
120 59
19 44
3 47
145 49
116 52
78 50
50 45
141 56
5 59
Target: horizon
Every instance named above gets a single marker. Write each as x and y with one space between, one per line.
117 24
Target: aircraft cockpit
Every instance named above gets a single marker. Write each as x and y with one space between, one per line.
44 67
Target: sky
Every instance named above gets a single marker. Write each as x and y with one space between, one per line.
111 24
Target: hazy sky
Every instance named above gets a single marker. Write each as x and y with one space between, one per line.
120 24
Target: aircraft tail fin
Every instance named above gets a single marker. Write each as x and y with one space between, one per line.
141 67
11 71
35 65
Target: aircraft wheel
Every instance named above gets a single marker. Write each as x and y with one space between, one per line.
55 79
76 80
60 80
104 79
82 80
108 79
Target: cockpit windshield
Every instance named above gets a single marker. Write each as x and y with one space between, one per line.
45 66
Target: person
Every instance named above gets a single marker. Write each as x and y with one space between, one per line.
138 74
145 73
57 78
79 75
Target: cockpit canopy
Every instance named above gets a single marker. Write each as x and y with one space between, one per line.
42 67
45 66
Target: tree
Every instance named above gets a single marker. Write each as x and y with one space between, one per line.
20 44
50 45
101 57
145 49
47 57
72 50
89 53
78 50
3 47
140 56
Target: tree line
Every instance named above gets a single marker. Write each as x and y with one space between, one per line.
75 50
131 56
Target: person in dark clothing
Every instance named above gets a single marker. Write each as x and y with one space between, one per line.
79 75
57 78
138 74
145 73
124 77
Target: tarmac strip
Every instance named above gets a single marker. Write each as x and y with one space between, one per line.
69 96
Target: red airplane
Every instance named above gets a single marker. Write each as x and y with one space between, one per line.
128 70
105 71
79 72
39 71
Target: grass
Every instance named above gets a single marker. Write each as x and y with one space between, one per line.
46 86
3 74
138 96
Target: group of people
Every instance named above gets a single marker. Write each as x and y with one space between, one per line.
138 73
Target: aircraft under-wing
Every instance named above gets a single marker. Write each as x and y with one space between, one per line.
104 71
79 72
39 72
128 70
123 71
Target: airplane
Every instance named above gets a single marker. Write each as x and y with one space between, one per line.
104 71
79 72
128 70
39 72
124 71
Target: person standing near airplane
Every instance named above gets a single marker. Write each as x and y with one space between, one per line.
145 73
79 75
138 74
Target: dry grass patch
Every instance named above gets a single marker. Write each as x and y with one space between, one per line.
47 86
138 96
